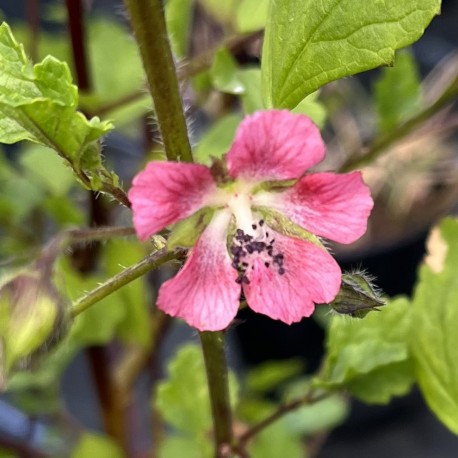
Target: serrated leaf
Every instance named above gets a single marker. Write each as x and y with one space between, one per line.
251 15
39 104
223 73
435 319
183 399
217 140
398 92
361 353
308 44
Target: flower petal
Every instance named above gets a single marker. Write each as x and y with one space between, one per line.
274 145
311 276
166 192
205 293
335 206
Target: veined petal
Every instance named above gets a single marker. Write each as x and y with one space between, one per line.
205 293
311 276
274 145
166 192
335 206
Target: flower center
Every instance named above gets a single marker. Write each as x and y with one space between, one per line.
258 244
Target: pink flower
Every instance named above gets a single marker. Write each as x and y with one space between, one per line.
260 237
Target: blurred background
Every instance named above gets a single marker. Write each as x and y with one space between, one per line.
413 184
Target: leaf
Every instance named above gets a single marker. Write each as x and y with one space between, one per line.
217 140
308 44
252 96
251 15
398 92
95 445
312 108
269 375
178 14
435 319
362 353
135 326
321 416
183 399
39 104
174 446
223 73
223 12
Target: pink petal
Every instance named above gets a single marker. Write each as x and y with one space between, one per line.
166 192
205 293
311 276
335 206
274 145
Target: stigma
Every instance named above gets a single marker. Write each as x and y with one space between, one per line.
257 244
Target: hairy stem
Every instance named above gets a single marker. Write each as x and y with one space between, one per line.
218 385
152 261
310 398
148 23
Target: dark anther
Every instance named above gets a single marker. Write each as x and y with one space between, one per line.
254 226
272 241
281 271
247 238
266 264
239 280
239 232
269 252
245 280
261 222
235 265
249 248
267 234
244 264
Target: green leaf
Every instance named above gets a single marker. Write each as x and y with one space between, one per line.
183 399
178 14
251 15
39 104
135 326
398 92
435 317
218 139
95 445
321 416
269 375
174 446
252 96
362 354
312 108
223 12
224 73
308 44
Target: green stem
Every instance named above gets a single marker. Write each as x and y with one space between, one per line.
152 261
218 386
148 23
381 144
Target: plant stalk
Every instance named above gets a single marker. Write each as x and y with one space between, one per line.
218 386
148 24
152 261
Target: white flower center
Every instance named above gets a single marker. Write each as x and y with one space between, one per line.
252 240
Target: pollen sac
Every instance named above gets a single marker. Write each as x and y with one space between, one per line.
245 248
31 319
357 296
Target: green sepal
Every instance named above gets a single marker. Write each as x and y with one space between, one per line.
285 226
185 233
357 296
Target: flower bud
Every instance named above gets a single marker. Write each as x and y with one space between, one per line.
31 318
357 296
